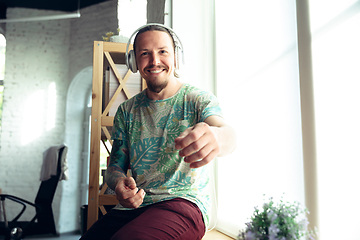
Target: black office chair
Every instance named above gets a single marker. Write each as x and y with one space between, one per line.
43 221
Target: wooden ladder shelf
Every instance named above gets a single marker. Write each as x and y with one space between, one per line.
106 55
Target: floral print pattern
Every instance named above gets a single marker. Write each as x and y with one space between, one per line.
148 129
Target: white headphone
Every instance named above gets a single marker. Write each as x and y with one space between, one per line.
130 55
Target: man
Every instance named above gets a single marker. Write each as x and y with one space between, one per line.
167 134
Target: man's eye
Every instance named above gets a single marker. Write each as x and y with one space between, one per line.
163 51
144 54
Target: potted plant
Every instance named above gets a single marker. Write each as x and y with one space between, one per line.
112 37
277 221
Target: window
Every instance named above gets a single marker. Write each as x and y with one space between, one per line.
134 10
260 68
260 97
2 72
336 61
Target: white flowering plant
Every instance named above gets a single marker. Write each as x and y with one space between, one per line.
281 221
109 35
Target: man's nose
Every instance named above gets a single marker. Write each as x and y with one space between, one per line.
155 59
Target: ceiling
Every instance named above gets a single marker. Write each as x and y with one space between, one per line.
58 5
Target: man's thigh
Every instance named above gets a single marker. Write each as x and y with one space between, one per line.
172 219
109 224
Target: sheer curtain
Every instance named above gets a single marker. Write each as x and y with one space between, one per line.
335 30
258 87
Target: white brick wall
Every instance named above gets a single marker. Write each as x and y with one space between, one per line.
38 54
94 23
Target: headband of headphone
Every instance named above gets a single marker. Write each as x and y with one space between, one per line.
130 55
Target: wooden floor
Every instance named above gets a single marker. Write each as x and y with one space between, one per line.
216 235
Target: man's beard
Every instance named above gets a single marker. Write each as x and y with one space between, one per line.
156 88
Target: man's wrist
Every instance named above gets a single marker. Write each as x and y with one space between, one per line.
114 178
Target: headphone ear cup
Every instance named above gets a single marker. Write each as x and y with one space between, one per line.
177 61
132 61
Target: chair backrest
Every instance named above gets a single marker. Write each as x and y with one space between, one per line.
47 188
45 196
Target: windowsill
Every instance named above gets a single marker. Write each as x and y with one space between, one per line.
216 235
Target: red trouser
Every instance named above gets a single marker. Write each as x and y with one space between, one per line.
171 219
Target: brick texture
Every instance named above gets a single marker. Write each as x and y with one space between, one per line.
40 105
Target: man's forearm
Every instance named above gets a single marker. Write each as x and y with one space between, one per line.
225 134
227 140
114 172
113 175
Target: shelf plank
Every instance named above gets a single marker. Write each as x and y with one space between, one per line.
107 121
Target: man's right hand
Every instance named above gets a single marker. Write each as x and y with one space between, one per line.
128 195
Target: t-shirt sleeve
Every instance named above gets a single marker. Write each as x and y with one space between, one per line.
120 150
207 105
118 127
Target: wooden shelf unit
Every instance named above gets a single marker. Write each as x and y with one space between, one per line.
106 55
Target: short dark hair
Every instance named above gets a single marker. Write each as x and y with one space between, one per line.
153 28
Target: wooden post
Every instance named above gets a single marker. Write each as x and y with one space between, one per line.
98 60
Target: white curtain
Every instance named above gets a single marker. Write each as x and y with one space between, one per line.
258 86
335 30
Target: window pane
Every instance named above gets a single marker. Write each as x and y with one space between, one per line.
2 56
2 73
132 15
324 12
336 61
258 87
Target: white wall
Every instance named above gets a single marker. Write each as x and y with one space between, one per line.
37 55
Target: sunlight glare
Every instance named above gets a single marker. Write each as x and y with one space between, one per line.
134 10
51 107
32 124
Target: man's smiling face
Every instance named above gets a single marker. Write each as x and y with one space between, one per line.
155 59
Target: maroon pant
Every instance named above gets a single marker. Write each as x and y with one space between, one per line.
171 219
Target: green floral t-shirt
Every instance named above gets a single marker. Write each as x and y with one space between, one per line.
147 130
